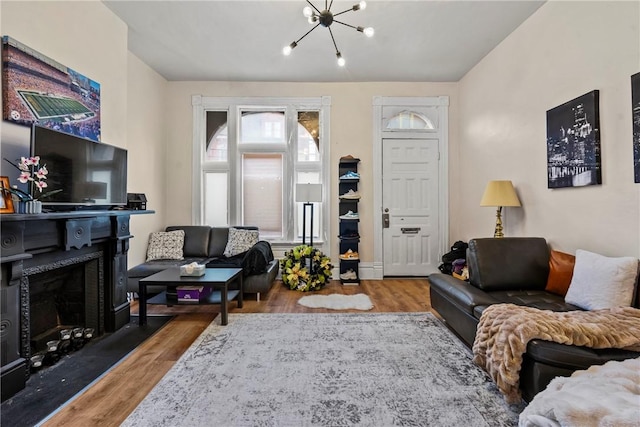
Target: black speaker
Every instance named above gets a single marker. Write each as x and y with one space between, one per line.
136 201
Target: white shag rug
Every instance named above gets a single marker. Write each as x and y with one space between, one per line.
337 301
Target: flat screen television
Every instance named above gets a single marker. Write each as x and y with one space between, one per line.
88 173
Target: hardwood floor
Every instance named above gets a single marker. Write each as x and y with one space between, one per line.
110 400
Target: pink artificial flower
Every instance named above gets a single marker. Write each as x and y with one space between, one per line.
40 185
24 164
31 160
42 173
25 177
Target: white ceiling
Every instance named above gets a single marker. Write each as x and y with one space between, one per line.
238 40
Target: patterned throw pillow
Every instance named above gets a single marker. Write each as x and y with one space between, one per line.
166 245
240 241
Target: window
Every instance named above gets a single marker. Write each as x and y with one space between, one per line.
264 128
409 120
262 178
216 185
254 152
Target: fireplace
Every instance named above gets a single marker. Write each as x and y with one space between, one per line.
63 296
60 271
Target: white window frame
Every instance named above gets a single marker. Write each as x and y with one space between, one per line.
233 106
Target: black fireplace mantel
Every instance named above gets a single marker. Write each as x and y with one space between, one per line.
41 242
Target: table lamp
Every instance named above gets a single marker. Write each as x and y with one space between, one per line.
499 194
308 194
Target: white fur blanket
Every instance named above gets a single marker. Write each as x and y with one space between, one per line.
505 330
601 396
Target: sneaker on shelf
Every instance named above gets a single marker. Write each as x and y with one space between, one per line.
350 215
348 157
349 236
350 195
350 175
349 275
349 255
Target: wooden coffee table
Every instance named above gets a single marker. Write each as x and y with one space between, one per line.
216 278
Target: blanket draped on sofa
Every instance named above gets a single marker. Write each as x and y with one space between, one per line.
505 330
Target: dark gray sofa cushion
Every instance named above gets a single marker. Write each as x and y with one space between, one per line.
509 263
541 300
224 262
218 241
196 239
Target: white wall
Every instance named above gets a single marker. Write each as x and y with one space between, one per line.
564 50
89 38
351 133
146 134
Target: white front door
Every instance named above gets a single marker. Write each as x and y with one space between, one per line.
410 206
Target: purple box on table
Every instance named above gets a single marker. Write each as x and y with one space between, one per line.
192 294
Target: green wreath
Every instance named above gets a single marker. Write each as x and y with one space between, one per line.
295 271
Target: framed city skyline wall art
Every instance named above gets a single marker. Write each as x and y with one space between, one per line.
38 89
573 143
635 115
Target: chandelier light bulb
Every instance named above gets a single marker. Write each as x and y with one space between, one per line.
286 51
307 12
369 31
363 5
341 60
313 19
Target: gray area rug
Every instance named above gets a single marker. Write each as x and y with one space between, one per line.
347 369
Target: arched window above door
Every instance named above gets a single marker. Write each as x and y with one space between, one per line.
409 120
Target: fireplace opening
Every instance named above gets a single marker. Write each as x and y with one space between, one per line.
61 300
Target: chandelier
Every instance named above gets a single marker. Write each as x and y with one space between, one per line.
325 18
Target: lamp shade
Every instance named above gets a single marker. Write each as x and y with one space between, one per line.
500 193
308 193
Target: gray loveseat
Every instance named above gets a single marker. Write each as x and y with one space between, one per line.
205 245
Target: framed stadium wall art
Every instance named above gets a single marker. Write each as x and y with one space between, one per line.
635 114
573 143
38 89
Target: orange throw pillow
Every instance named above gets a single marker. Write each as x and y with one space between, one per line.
560 272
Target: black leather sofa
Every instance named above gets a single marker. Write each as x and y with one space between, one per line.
514 270
205 245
